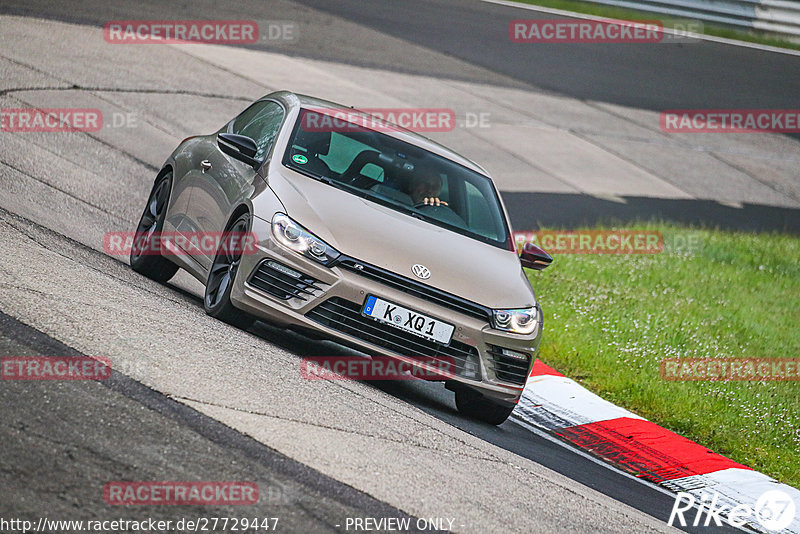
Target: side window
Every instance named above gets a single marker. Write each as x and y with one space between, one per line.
260 122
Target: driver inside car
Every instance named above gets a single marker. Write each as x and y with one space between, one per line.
424 189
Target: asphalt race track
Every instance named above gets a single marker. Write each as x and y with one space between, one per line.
38 436
704 74
194 399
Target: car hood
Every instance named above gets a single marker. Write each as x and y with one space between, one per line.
395 241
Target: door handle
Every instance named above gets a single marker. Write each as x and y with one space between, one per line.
205 164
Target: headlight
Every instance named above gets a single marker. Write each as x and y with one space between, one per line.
293 236
522 321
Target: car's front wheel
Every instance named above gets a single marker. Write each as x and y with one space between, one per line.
217 300
145 257
478 407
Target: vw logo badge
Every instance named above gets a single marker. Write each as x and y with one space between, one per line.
420 271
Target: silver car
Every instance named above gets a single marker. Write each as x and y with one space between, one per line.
361 232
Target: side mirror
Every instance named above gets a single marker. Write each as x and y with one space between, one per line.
533 257
240 147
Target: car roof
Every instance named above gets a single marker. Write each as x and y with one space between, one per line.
292 100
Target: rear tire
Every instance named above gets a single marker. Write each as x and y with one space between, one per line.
217 299
144 258
476 406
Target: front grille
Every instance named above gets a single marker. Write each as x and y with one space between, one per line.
345 316
416 289
507 368
283 282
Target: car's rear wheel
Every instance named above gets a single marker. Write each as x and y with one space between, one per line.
478 407
217 300
145 257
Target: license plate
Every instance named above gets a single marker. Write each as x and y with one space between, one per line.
408 320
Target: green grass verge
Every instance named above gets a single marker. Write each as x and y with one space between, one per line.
610 319
599 10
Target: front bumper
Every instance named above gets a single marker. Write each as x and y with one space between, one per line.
327 302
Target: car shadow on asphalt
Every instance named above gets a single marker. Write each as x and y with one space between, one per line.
427 395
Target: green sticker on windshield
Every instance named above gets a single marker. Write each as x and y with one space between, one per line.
299 158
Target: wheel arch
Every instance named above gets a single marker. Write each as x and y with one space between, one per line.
243 207
167 168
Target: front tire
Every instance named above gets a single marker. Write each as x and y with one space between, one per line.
217 299
145 258
476 406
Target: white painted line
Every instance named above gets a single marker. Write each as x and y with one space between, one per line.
669 31
558 402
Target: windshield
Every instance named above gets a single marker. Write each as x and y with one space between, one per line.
397 174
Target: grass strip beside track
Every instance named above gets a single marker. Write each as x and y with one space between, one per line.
611 318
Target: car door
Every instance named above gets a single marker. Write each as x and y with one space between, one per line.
224 180
185 173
